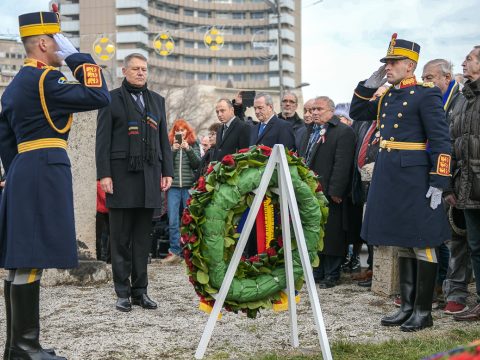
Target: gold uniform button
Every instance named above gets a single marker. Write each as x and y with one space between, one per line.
382 126
412 92
392 138
405 103
395 126
389 94
383 115
400 115
379 150
389 149
386 104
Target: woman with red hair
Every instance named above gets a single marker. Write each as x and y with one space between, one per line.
186 159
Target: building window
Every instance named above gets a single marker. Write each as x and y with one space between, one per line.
222 61
188 59
189 75
204 76
238 61
238 77
172 10
189 44
223 77
204 14
238 46
256 61
238 31
223 15
257 15
238 15
204 61
188 12
257 77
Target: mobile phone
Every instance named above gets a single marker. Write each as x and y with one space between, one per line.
178 138
247 97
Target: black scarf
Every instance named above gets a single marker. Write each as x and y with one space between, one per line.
140 126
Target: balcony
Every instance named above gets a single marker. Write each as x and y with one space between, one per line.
69 9
132 4
70 25
289 4
286 34
287 81
284 19
132 37
287 66
131 20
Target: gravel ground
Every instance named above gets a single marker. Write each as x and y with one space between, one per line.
82 323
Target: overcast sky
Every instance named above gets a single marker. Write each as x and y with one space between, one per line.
344 39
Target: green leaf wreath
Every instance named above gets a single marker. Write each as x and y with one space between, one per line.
209 230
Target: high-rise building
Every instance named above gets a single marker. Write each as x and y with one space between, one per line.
248 41
12 55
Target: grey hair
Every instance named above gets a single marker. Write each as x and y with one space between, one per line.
227 101
343 109
329 101
267 97
290 93
478 52
129 57
445 66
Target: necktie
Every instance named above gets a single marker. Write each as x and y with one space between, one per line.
313 139
362 154
261 129
138 100
224 131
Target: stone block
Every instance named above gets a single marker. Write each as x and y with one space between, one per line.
88 272
385 271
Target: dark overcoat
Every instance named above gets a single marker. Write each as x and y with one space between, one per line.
277 131
37 228
332 160
236 137
398 213
139 189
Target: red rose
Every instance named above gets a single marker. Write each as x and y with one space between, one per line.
228 160
243 258
189 201
192 239
184 239
201 184
254 258
186 218
244 150
210 169
265 150
319 187
280 242
292 153
271 251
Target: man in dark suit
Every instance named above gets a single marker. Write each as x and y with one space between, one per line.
134 164
234 133
270 130
328 149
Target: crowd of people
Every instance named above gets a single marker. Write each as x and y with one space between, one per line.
400 166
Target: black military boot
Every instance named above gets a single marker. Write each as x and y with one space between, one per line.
408 275
422 311
25 324
6 293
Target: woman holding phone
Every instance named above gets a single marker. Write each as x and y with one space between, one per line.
186 159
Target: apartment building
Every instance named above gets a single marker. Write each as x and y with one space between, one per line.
12 55
247 58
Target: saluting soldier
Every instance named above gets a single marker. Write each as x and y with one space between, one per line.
412 168
36 214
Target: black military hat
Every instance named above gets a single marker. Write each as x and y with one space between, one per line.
401 49
39 23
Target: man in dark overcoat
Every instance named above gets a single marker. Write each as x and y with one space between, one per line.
406 189
270 129
328 150
37 227
233 135
134 164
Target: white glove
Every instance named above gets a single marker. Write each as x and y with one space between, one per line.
377 79
435 195
65 47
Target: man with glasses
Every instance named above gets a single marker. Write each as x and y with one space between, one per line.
289 105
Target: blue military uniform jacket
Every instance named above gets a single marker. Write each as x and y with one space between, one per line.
398 212
37 227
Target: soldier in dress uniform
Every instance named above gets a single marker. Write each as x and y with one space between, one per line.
406 189
36 213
